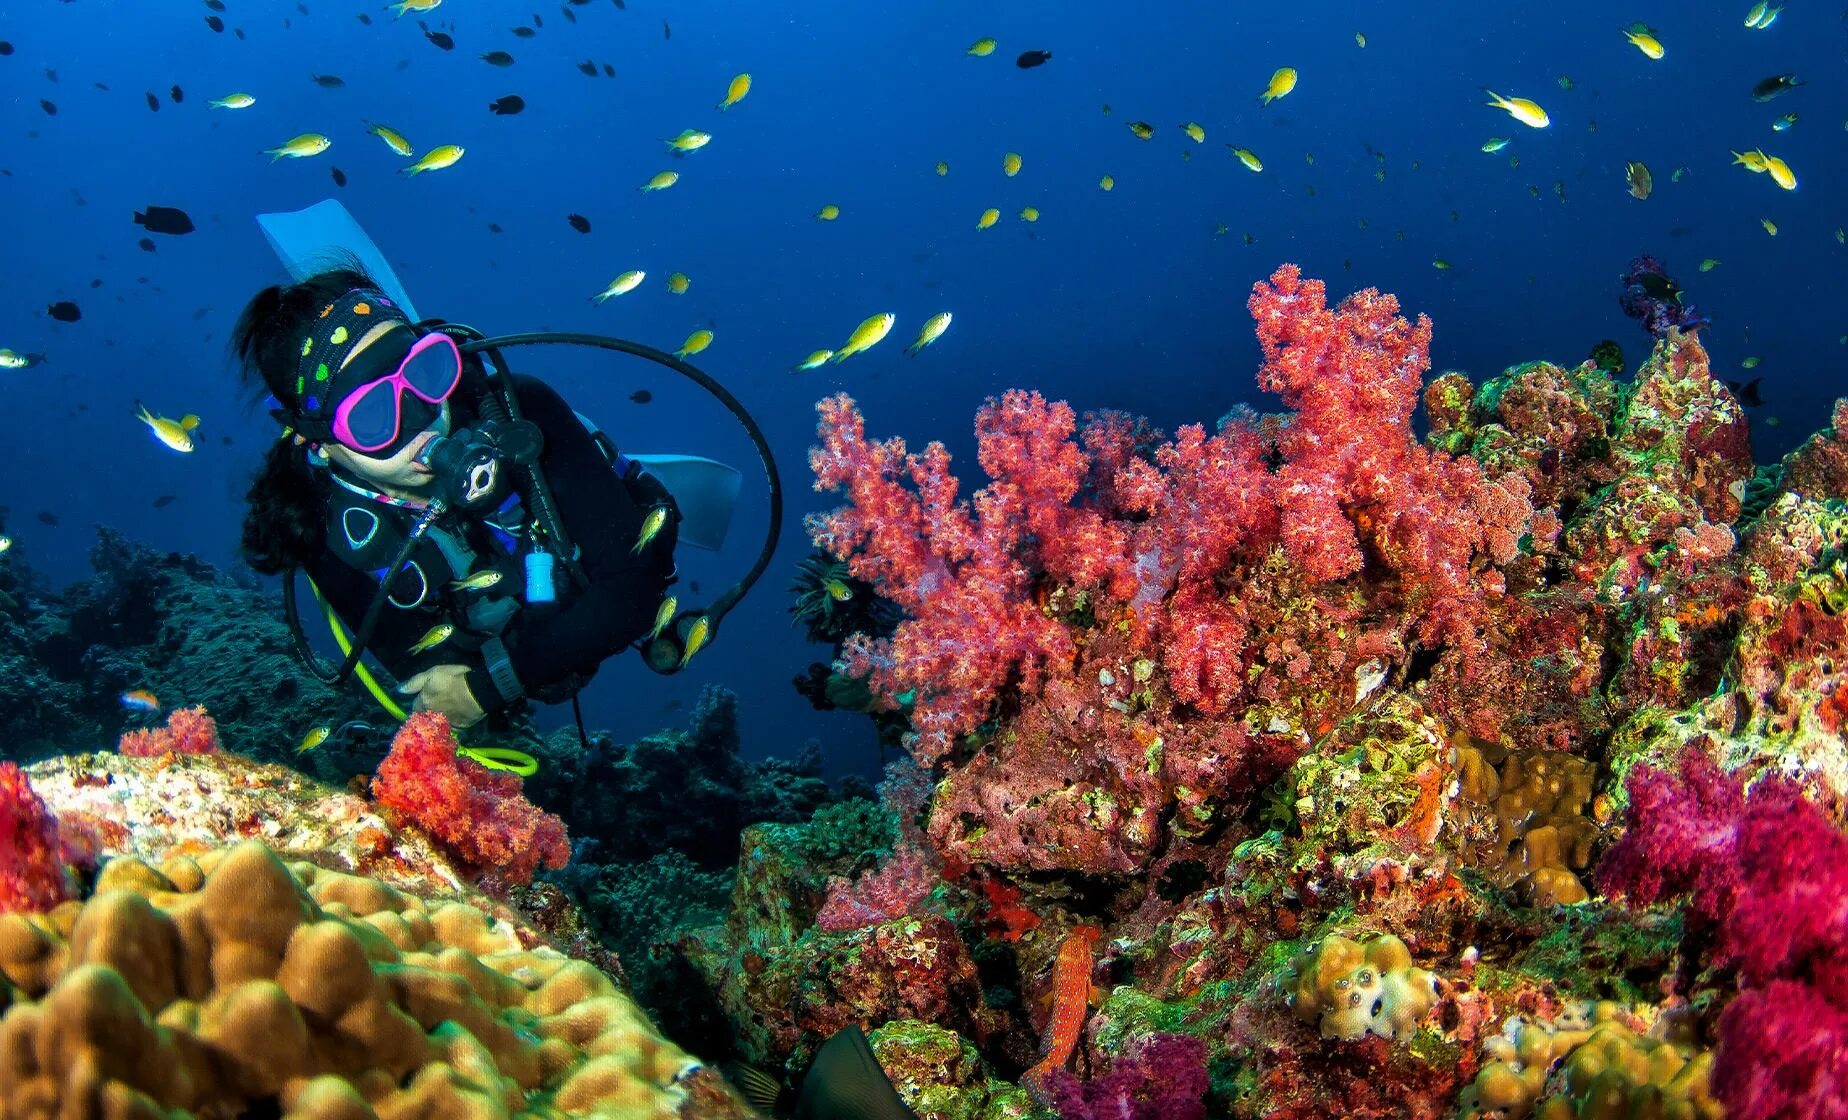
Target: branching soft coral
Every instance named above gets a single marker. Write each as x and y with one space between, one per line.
31 864
1163 1077
479 816
1769 873
188 731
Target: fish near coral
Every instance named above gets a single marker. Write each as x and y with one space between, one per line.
1072 991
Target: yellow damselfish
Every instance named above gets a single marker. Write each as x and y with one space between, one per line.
651 525
1194 132
814 361
436 159
176 434
300 147
989 217
678 283
1281 83
933 330
735 92
627 282
1520 108
981 48
695 342
1643 38
828 213
393 139
866 335
661 181
1251 162
1010 164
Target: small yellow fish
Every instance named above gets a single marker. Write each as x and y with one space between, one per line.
678 283
663 616
1281 83
176 434
651 525
1194 132
981 48
141 700
838 590
1770 226
1494 144
1755 161
1142 129
436 159
627 282
1360 40
689 140
1440 264
1781 173
233 101
1784 123
433 637
696 639
1749 363
1309 158
661 181
1756 13
1643 38
1637 176
865 336
943 168
828 213
1710 264
989 217
695 342
300 147
313 739
814 361
12 360
933 330
1520 108
1107 183
1010 164
1029 213
478 581
393 139
403 6
1675 175
1251 162
735 92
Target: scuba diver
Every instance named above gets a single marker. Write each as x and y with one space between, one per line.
488 545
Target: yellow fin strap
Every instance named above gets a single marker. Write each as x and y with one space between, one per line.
346 647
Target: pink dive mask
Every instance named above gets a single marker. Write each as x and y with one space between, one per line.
369 417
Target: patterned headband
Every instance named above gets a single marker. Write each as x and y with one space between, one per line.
337 329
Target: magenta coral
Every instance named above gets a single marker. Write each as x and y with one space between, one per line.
890 891
32 875
479 816
1162 1077
188 731
1769 872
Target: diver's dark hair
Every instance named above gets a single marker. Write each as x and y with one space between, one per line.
285 517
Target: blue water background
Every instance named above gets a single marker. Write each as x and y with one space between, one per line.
1130 299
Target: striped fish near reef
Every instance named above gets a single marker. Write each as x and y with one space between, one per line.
1072 992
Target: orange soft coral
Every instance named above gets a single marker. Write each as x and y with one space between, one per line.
480 817
188 731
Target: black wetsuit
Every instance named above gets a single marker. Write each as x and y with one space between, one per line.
553 647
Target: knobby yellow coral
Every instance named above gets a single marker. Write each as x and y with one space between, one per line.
1353 989
234 983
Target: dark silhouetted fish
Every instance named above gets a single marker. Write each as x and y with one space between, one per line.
215 24
239 32
64 311
365 19
51 75
844 1082
215 5
177 94
570 16
507 106
146 243
588 68
609 71
165 500
96 283
328 81
164 219
1774 85
666 31
153 103
6 48
494 227
201 313
497 58
1747 393
339 177
47 517
442 41
579 222
51 110
1029 59
641 396
523 32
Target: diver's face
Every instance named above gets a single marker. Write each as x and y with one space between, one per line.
400 471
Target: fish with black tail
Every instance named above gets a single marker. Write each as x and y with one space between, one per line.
507 106
441 40
164 219
844 1082
1029 59
64 311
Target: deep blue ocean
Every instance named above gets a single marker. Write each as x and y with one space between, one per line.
1131 299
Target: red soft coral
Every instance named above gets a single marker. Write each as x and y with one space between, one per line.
1769 873
32 875
188 731
903 881
479 816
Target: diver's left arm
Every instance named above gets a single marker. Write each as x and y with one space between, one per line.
604 521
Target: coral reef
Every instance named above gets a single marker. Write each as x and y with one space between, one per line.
231 981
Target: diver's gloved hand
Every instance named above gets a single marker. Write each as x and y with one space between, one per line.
444 688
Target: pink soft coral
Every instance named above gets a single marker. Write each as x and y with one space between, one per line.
32 875
1768 874
888 892
188 731
479 816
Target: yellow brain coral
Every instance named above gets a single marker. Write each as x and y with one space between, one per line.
1353 989
1591 1064
236 983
